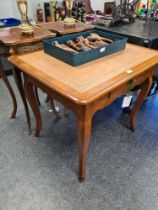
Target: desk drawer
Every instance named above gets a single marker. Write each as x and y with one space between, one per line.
140 79
123 89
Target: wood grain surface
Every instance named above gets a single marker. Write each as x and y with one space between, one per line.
12 42
87 88
86 81
12 36
61 29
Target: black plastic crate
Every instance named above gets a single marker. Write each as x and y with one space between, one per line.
76 59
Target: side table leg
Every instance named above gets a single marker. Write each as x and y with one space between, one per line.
6 81
52 104
84 131
143 93
54 109
29 91
47 99
19 83
37 96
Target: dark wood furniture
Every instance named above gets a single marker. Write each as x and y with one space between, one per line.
61 29
109 7
87 88
137 33
11 43
7 83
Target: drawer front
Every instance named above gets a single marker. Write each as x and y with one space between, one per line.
29 48
119 91
127 86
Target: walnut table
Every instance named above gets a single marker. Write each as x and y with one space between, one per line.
60 29
87 88
11 43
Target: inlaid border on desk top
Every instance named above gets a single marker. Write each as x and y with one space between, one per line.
91 78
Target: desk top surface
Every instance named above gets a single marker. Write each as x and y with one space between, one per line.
89 81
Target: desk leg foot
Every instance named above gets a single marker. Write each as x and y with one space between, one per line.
143 93
84 130
19 83
81 179
6 81
29 91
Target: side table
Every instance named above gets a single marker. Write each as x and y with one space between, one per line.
11 43
62 30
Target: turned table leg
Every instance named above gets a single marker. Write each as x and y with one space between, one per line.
6 81
31 97
143 93
19 83
84 131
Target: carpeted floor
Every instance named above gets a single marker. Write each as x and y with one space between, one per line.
41 173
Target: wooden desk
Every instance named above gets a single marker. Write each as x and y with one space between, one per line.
89 87
60 29
11 43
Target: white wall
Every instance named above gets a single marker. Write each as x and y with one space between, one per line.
99 4
8 8
96 4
